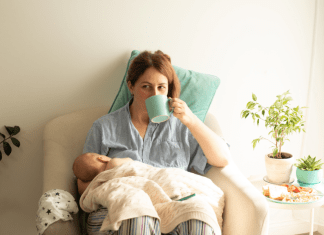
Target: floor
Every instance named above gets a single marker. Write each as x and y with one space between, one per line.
315 233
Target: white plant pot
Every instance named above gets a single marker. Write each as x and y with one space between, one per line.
279 170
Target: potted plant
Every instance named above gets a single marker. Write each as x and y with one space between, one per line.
282 120
309 171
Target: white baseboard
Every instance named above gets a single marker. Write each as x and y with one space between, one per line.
320 229
291 228
282 222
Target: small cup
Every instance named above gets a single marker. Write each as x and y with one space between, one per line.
157 107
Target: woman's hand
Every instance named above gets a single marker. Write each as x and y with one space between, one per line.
182 111
82 186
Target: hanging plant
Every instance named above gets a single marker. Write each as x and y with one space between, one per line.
6 145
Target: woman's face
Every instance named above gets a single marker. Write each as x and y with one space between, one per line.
150 83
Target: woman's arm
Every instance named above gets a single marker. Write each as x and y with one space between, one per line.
82 186
213 146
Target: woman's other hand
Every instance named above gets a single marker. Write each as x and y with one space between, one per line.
182 111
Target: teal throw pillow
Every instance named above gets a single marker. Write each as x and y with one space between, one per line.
197 90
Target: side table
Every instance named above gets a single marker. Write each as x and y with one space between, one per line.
259 182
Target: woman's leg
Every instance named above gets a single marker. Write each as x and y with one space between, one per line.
144 225
193 227
95 220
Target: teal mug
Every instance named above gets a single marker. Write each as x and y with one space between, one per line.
157 107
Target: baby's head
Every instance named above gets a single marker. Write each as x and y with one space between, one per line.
89 165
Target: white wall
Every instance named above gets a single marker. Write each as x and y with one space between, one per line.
314 138
61 56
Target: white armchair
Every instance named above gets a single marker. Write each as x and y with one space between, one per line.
246 211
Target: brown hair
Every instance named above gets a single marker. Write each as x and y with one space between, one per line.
83 167
162 63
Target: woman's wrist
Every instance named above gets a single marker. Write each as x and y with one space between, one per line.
192 121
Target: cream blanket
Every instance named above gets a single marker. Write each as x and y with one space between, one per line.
136 189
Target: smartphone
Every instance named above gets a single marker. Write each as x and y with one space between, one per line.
185 198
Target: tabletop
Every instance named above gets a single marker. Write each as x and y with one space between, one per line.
258 182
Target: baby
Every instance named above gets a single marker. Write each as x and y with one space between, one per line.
88 165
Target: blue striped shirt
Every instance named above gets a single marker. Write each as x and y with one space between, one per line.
167 144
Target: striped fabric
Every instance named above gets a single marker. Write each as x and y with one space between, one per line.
145 225
193 227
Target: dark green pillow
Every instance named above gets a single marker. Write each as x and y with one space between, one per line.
197 90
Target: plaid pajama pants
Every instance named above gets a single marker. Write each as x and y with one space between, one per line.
145 225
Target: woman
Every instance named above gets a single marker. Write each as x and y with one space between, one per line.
183 141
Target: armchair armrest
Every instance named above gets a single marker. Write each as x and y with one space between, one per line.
246 211
63 228
57 169
63 141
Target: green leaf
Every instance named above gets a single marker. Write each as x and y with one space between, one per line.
260 107
258 122
288 98
309 163
16 130
251 105
278 105
15 142
318 161
244 113
3 136
286 93
274 152
6 148
254 97
263 111
9 129
255 141
13 130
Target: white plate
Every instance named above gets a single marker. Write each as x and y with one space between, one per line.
296 203
266 179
